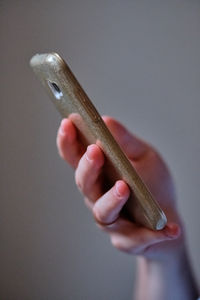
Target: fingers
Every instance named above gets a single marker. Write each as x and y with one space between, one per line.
130 238
125 235
68 146
107 209
71 150
88 173
134 147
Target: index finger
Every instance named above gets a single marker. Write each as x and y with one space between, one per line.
69 147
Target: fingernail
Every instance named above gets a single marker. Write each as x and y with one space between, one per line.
118 190
62 129
89 153
173 230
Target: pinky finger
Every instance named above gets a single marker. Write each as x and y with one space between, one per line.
131 238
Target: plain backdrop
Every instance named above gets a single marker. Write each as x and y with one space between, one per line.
139 61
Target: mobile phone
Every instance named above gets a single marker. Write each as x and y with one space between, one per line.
72 102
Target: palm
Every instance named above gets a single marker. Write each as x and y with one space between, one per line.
156 176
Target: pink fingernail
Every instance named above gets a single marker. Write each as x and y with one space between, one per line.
173 230
62 129
89 153
118 190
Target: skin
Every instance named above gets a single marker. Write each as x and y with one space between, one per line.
161 255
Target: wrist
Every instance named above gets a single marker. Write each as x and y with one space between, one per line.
173 262
172 277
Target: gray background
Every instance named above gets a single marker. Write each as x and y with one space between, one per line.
138 61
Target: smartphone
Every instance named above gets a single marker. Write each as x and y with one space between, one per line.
72 102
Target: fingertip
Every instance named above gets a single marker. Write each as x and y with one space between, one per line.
67 130
106 118
122 189
94 153
110 121
112 124
172 230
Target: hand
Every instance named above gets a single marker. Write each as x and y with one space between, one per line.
106 205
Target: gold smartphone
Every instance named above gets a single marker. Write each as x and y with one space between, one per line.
73 103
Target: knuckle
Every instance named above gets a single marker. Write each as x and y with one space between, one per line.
115 242
88 203
78 181
118 244
128 247
98 215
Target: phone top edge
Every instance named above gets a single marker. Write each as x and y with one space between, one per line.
52 59
162 222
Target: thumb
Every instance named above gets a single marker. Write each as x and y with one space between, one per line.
134 147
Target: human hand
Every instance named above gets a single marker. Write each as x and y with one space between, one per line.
107 205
